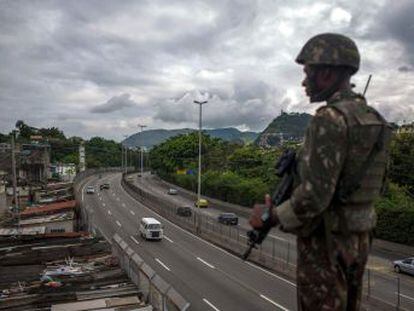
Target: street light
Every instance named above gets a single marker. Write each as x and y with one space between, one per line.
126 156
199 148
142 126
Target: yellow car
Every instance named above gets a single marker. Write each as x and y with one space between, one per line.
201 203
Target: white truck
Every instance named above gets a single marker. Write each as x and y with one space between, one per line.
151 229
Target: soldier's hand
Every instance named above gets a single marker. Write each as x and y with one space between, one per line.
255 219
258 209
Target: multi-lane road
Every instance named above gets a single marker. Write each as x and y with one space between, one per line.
207 276
383 282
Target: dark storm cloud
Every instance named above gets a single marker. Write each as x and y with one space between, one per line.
405 69
398 19
60 58
114 104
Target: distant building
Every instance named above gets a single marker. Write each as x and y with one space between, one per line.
4 147
63 171
56 217
32 163
60 222
406 128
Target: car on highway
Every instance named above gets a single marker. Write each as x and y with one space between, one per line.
184 211
172 191
130 178
104 186
151 229
201 203
90 190
404 265
228 219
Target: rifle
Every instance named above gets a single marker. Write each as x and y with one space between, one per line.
285 167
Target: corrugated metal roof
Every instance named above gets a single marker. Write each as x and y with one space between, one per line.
23 231
47 218
58 206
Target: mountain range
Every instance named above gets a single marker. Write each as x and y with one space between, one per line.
285 127
151 138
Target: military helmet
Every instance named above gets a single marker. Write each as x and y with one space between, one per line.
330 49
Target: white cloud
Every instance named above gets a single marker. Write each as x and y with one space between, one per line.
340 17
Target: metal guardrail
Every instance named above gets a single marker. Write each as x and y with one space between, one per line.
276 254
155 291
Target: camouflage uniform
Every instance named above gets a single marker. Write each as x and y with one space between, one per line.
333 224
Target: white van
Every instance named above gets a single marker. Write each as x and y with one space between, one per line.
151 229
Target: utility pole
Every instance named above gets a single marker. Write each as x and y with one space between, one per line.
125 156
122 157
142 126
82 164
13 158
199 148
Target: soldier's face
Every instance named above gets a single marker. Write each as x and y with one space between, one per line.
316 81
310 81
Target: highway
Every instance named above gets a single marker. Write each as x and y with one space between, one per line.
383 281
207 276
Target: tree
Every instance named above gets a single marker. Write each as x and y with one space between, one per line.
402 160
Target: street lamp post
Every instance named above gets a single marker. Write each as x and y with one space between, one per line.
199 148
126 156
141 148
14 174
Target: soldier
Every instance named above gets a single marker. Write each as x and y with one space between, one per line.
340 172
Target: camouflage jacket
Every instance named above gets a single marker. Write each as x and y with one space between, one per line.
338 139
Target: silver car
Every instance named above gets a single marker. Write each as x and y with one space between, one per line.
404 265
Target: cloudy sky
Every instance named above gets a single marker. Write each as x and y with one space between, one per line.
100 67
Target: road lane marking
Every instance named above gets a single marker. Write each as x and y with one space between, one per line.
210 244
405 296
118 223
109 213
162 264
270 273
132 213
273 303
134 239
278 238
211 305
206 263
168 239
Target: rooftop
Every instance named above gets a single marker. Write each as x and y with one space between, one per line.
23 231
49 208
48 218
39 273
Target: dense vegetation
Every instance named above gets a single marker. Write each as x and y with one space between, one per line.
242 174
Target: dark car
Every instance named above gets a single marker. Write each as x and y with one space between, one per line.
228 219
104 186
184 211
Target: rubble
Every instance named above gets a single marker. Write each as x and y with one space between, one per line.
63 273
